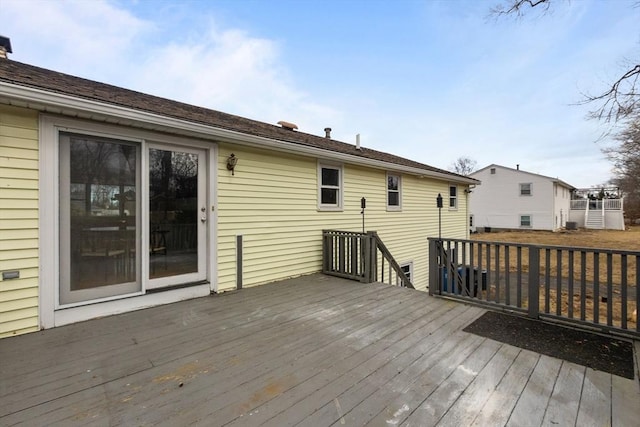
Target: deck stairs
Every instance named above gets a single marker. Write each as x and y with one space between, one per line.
595 220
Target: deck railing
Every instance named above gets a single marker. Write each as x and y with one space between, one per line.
604 204
360 256
596 288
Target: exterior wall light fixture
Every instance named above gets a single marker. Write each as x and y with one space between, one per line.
232 161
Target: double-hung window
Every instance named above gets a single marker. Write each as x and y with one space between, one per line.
525 189
453 197
394 201
525 221
330 187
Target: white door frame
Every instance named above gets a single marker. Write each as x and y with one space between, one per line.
50 312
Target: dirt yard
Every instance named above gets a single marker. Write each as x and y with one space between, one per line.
604 239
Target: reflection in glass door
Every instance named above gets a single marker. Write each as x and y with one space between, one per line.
99 207
177 216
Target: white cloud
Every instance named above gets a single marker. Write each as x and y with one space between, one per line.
228 70
88 38
223 69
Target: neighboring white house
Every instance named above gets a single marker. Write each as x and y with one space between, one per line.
514 199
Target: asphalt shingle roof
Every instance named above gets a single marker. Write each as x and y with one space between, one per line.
52 81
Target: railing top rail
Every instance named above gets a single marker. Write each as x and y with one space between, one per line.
531 245
340 232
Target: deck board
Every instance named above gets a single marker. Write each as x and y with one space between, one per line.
503 398
310 351
562 408
595 402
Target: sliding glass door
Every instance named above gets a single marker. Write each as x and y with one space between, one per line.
110 243
99 217
177 216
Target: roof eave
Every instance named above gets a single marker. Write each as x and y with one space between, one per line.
52 102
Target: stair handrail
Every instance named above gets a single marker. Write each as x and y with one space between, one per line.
379 244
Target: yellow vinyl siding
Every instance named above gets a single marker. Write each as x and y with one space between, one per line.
19 220
272 201
268 202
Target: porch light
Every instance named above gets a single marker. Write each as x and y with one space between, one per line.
232 161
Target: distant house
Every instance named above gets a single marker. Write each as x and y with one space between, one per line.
113 200
515 199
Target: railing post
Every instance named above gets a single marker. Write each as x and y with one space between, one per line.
325 252
366 259
434 268
373 258
534 285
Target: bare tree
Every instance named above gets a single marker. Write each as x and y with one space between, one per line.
463 165
620 101
626 160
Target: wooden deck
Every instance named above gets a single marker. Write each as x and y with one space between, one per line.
312 351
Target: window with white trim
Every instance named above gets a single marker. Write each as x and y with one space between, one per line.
330 187
525 221
407 269
453 197
394 195
525 189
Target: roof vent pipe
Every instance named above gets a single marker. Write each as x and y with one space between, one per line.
358 142
5 47
518 167
327 133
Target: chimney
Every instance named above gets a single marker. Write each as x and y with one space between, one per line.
358 142
518 167
327 133
287 125
5 47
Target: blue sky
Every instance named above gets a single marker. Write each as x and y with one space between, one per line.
427 80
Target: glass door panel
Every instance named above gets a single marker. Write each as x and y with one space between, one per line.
99 179
177 216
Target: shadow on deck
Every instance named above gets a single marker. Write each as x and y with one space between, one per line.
314 350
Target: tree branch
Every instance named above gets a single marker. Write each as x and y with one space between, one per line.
516 7
621 101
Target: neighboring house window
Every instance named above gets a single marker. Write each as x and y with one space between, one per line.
393 192
330 189
525 220
493 171
525 189
407 269
453 197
